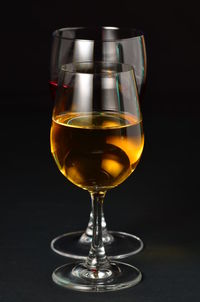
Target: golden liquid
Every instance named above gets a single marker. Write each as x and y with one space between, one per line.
96 151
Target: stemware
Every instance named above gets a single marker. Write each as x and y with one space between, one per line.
97 141
110 44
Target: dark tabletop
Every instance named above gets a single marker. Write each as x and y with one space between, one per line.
159 203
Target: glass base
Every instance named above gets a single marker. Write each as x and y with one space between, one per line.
123 245
77 277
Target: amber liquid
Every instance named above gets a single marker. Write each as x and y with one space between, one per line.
96 151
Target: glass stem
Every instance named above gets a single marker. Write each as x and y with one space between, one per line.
86 238
97 258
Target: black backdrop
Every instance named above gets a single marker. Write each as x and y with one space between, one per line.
159 202
171 33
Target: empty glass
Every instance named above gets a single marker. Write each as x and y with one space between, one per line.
109 44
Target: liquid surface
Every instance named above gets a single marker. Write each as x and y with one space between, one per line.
96 151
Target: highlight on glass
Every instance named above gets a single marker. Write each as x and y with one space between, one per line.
97 140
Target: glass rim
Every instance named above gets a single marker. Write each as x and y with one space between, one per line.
132 33
69 68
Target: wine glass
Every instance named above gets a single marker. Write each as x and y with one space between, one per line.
97 141
110 44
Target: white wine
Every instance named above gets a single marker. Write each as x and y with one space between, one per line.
96 151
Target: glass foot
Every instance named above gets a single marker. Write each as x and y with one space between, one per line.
123 245
77 277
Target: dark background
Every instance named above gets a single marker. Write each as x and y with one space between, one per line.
159 202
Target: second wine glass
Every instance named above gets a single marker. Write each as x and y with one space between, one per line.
108 44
